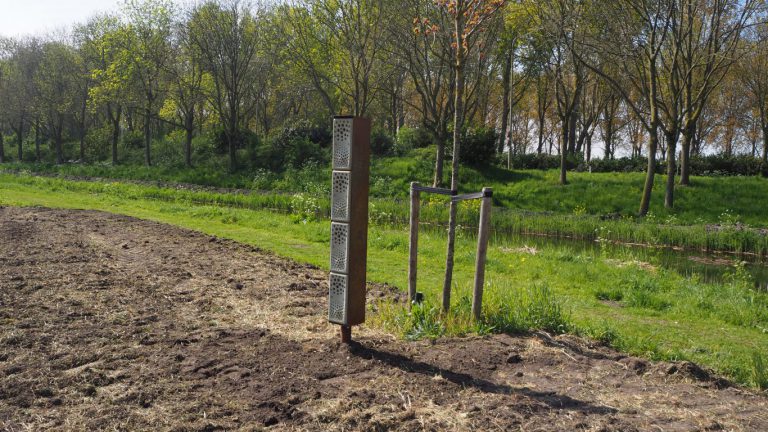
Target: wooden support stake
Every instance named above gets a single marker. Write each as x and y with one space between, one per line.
414 243
482 249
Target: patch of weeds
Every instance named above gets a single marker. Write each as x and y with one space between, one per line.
229 219
646 300
641 293
603 334
609 294
536 308
759 371
304 208
423 321
544 311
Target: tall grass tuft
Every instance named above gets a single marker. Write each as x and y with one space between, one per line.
759 371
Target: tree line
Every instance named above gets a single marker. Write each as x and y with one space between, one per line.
665 79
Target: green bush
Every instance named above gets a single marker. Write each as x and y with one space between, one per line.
382 143
296 146
720 165
537 161
412 138
478 146
244 139
625 164
98 144
133 139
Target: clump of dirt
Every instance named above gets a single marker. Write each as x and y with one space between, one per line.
109 322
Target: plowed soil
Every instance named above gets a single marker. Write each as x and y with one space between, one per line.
113 323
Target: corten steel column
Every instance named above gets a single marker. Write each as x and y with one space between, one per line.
349 222
413 248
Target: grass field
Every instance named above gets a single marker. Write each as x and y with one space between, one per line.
635 307
720 229
708 200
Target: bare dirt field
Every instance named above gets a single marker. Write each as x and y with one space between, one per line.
113 323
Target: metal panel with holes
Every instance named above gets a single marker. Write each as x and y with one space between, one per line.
337 298
339 247
342 143
340 196
349 220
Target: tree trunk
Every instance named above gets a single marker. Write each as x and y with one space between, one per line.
20 140
58 132
540 147
564 150
458 123
653 143
115 117
685 155
37 140
439 159
609 141
573 119
669 191
83 108
506 79
147 137
765 144
190 129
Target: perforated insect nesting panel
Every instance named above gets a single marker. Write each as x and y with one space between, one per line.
340 196
337 298
339 244
349 216
342 143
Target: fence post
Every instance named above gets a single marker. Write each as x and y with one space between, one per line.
414 241
482 249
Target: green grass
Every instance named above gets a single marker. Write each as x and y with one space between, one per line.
389 207
655 313
709 200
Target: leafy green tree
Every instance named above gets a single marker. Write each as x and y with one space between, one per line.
102 44
147 51
627 38
227 37
187 86
417 40
23 61
55 79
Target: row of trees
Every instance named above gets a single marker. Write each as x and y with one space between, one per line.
550 76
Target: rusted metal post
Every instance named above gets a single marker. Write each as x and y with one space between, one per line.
482 250
346 334
349 222
414 242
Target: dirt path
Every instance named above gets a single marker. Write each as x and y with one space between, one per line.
113 323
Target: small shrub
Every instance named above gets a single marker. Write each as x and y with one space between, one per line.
423 321
478 147
304 208
133 139
263 180
244 139
412 138
382 143
759 371
609 294
295 147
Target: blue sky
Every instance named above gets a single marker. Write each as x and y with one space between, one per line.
27 17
